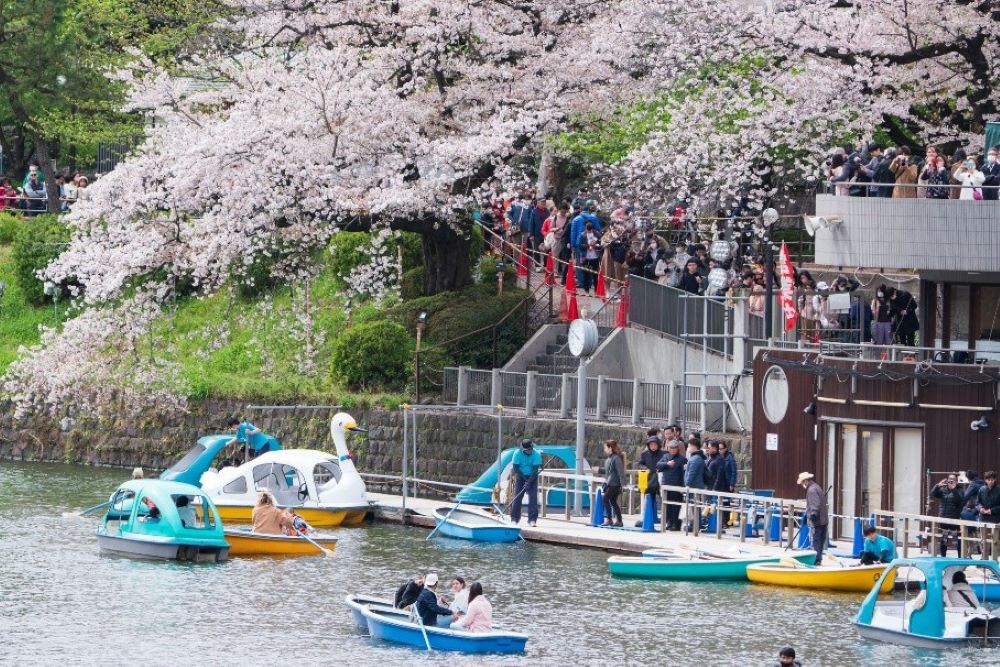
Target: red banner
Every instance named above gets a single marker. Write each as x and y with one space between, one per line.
787 289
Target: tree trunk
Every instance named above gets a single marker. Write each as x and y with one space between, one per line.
446 260
49 169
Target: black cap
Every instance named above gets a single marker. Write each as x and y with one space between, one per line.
787 652
526 443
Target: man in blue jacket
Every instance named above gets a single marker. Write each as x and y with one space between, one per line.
878 548
427 606
576 228
526 464
695 470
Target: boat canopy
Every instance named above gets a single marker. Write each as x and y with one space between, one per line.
199 459
163 508
926 613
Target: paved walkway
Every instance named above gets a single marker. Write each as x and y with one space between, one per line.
578 532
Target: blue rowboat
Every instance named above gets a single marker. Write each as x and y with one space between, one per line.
470 525
359 602
388 626
697 566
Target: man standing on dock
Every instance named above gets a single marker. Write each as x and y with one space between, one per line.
817 513
527 463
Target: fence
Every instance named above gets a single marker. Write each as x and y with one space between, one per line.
608 399
676 313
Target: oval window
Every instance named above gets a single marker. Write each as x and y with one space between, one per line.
774 394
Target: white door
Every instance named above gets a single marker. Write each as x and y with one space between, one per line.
848 474
871 469
907 470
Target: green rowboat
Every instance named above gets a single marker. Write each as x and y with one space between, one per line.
697 566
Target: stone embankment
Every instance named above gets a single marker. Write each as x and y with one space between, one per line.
454 447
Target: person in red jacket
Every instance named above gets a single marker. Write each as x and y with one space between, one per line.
8 195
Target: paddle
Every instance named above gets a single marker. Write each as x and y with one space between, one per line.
326 552
89 510
423 630
442 523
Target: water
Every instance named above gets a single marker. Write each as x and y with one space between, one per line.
63 603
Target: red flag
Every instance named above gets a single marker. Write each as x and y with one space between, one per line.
787 289
550 274
601 290
621 317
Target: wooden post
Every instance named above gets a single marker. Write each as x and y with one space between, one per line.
906 537
742 523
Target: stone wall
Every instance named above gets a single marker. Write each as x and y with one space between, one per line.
452 446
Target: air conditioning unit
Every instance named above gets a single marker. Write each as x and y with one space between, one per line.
814 222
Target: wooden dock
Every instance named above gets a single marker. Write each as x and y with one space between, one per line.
577 532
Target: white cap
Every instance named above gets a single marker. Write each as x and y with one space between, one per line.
431 579
803 476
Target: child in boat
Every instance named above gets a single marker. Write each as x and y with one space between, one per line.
186 512
299 525
479 618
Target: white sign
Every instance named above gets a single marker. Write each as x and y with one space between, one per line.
772 442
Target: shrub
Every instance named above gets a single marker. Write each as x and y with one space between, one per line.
38 242
453 316
346 252
10 225
372 354
413 283
256 279
488 272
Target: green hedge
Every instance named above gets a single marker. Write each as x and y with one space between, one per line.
37 243
376 354
10 225
452 315
488 272
413 283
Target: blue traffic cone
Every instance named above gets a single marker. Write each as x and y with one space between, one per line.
649 515
859 539
597 511
804 541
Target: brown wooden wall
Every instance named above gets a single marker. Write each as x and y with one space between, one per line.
949 443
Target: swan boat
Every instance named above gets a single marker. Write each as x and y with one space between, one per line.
323 488
150 518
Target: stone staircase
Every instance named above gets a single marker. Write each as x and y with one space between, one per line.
557 358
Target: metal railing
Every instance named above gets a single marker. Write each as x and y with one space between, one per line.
608 399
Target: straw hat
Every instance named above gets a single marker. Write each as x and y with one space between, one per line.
803 476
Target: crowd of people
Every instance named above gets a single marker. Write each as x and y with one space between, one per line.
874 171
32 197
468 609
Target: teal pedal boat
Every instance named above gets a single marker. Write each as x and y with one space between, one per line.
152 518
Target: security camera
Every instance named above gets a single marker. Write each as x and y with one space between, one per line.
980 424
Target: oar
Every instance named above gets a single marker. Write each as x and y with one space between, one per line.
88 510
441 524
423 630
326 552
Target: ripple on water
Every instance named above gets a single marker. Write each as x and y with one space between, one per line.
63 603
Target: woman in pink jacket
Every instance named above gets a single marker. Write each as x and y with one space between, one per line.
479 618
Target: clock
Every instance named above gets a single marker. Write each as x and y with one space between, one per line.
583 338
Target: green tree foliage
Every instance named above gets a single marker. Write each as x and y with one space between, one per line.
36 245
372 355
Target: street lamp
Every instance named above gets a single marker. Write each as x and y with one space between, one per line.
500 271
769 217
421 323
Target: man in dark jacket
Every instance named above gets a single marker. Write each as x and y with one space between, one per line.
427 604
817 513
671 467
730 466
408 593
950 502
971 494
716 468
988 506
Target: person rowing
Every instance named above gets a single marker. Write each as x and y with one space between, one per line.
428 605
268 519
